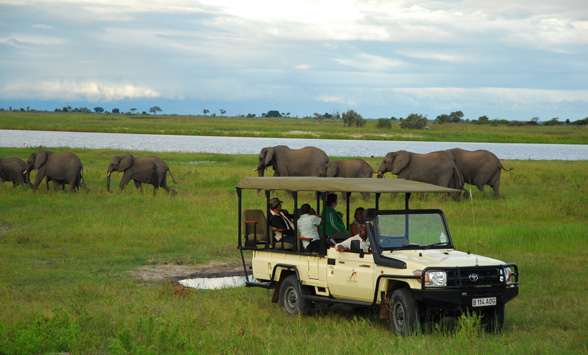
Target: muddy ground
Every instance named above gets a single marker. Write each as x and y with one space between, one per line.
170 271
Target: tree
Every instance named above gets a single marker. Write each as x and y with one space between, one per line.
414 121
273 113
454 117
155 109
115 110
352 119
98 109
250 115
133 109
222 112
205 112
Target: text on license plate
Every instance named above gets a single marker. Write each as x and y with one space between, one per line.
483 302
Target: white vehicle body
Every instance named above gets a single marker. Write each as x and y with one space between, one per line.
405 244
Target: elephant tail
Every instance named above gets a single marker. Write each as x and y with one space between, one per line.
170 174
503 168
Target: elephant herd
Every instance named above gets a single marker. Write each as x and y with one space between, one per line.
67 168
449 168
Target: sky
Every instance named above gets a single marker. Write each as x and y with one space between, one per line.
513 60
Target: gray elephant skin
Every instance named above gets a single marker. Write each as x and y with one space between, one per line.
436 168
13 169
148 170
479 168
356 168
65 168
291 162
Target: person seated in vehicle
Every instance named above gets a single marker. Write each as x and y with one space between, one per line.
335 228
354 230
280 219
307 227
364 242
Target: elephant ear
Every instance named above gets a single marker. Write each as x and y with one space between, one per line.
40 159
269 155
126 161
332 169
400 162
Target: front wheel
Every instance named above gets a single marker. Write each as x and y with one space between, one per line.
493 319
291 299
403 312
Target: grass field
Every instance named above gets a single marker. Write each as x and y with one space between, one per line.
288 128
67 263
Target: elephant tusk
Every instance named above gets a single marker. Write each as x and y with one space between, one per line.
25 172
108 174
255 169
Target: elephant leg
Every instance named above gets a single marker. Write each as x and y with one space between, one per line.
124 181
366 196
167 188
496 188
38 179
138 185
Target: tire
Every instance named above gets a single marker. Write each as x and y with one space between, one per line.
404 313
291 299
493 319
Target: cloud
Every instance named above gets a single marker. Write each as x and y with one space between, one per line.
335 100
64 89
43 27
369 62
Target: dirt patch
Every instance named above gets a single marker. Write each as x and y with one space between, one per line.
162 272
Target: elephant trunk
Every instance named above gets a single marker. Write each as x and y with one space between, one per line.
260 171
108 179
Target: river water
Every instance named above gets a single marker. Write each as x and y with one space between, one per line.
248 145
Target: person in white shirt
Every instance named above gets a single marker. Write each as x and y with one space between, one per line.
364 242
307 226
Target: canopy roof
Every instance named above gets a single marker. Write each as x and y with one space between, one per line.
370 185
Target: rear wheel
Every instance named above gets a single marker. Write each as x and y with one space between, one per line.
291 299
404 313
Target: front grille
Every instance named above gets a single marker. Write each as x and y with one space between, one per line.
474 277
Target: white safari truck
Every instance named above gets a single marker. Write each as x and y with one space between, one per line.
412 272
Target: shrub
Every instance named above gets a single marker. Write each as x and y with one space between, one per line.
352 119
414 121
385 123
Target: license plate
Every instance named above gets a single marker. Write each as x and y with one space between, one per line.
484 302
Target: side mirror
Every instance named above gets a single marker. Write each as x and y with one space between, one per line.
355 248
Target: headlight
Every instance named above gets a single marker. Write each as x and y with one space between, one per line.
507 276
433 277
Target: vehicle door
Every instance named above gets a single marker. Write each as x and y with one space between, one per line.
351 276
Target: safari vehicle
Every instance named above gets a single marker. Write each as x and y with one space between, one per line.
412 271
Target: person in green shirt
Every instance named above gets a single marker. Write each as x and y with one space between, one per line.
335 228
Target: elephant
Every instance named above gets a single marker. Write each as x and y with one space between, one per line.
291 162
357 168
148 170
65 168
13 169
479 167
436 168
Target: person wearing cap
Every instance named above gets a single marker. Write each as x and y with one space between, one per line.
307 227
280 219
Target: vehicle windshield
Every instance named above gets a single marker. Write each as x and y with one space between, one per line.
411 231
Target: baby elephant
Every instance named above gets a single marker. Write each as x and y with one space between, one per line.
149 170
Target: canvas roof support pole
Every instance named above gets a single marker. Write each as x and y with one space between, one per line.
406 200
295 195
239 193
267 215
378 194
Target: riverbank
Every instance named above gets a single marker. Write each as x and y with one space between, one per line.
288 128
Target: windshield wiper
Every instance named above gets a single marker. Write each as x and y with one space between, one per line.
437 245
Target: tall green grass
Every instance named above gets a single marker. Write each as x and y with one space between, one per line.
67 263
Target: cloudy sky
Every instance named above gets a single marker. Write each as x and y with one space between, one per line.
505 59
